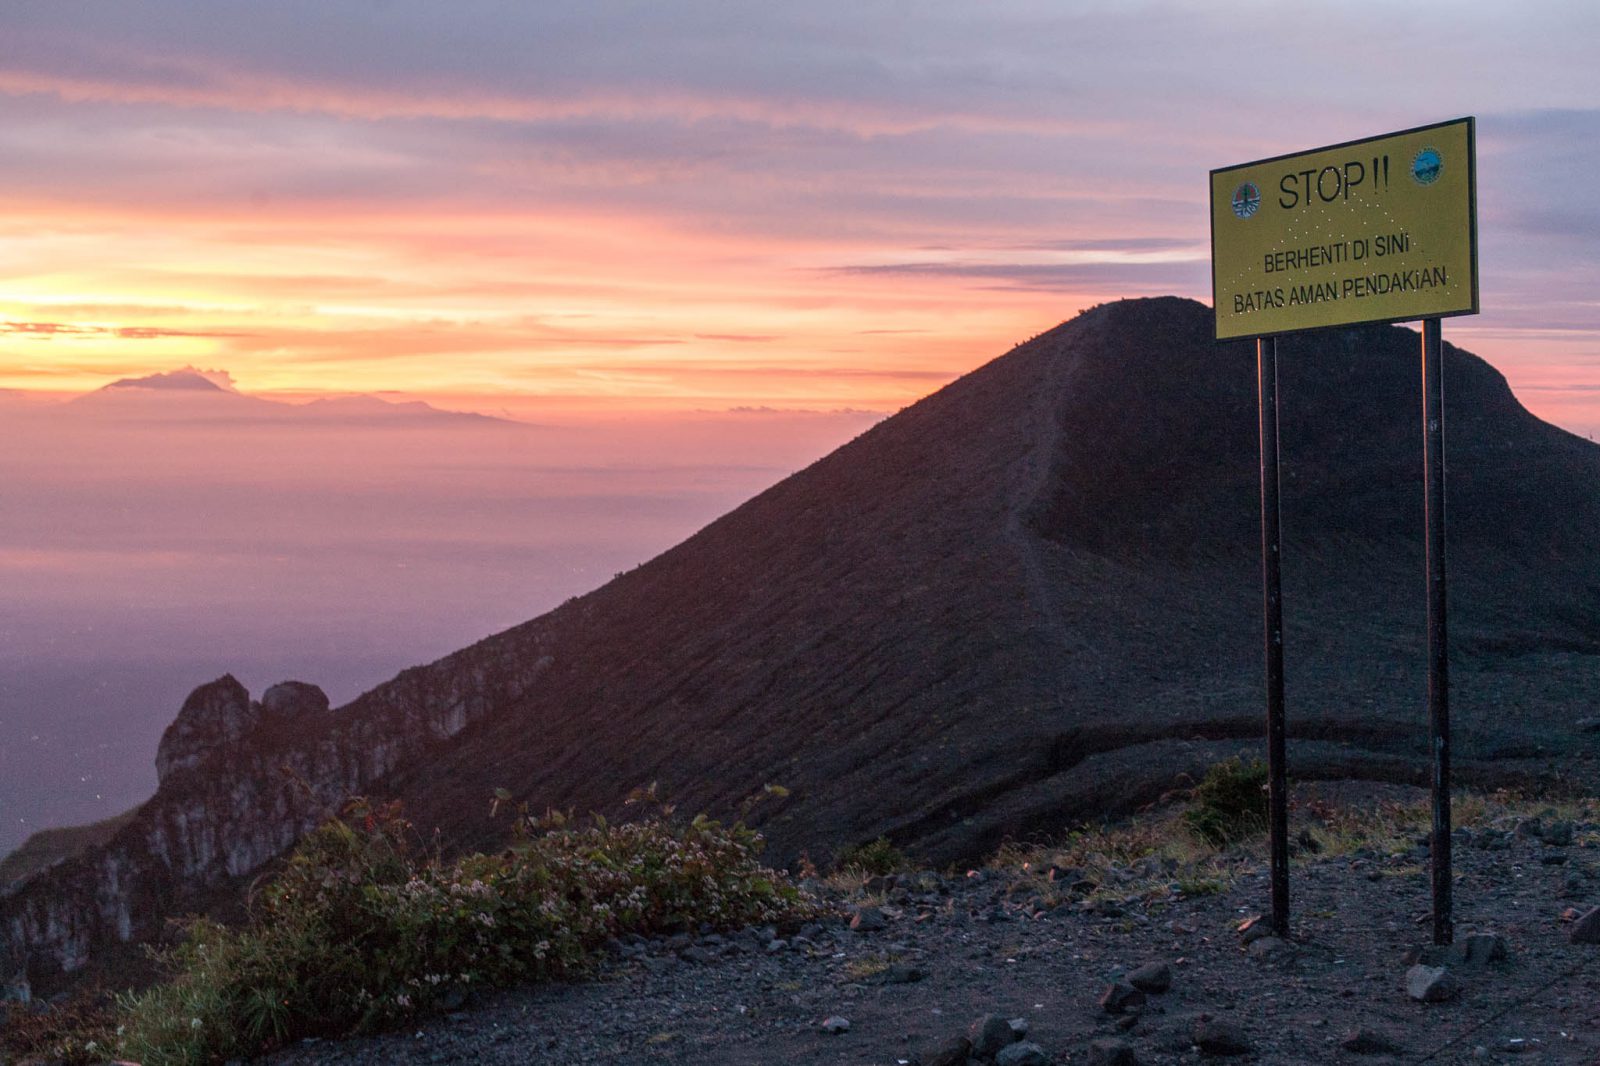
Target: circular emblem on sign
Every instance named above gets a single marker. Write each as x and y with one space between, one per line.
1246 200
1427 167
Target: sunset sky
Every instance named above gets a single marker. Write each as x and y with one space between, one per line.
554 209
696 244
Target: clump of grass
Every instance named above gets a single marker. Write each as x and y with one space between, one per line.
1509 805
1096 848
873 858
1163 852
1230 803
1470 809
1195 885
1387 827
359 933
1393 827
1408 870
1143 856
866 968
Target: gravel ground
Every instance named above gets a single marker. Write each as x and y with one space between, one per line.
955 948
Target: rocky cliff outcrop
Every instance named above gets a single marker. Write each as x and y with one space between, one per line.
240 782
213 720
219 719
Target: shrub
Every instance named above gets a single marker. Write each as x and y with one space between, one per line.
356 933
1230 803
875 857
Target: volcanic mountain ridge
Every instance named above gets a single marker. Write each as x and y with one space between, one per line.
1030 598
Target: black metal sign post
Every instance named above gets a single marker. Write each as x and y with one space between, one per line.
1272 613
1381 229
1438 644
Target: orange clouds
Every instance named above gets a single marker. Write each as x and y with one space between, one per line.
666 208
518 309
190 82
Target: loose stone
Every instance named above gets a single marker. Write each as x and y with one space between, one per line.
1121 998
989 1034
903 974
1586 930
868 920
1153 977
1272 949
1253 928
1431 984
1369 1042
1023 1054
1111 1052
953 1052
1480 949
1216 1037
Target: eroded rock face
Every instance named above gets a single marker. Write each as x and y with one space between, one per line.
215 717
240 782
289 700
219 719
288 708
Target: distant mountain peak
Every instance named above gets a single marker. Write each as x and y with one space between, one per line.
185 379
365 407
190 393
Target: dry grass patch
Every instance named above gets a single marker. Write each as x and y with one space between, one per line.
1146 856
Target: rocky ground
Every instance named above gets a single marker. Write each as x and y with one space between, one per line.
1087 956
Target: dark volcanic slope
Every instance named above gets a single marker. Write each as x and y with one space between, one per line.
1029 598
1025 597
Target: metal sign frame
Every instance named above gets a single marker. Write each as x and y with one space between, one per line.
1438 686
1472 214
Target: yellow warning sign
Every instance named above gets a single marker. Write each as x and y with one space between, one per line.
1378 230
